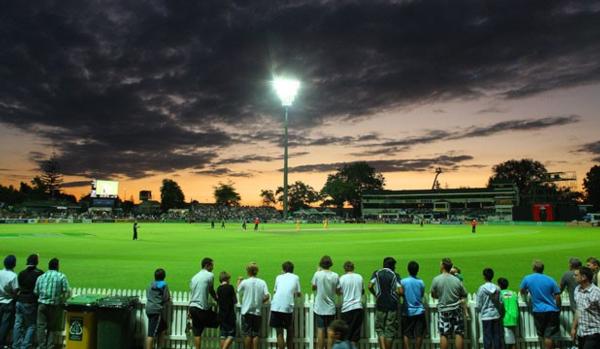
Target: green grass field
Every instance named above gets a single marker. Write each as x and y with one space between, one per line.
104 256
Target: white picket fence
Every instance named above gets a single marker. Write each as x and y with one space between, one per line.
305 328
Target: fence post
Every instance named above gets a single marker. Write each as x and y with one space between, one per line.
310 325
473 322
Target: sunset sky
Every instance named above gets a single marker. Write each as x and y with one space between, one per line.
138 91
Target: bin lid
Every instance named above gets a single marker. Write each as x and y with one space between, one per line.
84 300
118 302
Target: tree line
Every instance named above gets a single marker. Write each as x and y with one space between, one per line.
342 188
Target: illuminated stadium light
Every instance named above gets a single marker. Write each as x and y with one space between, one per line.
286 90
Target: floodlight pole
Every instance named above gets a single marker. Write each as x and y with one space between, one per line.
285 165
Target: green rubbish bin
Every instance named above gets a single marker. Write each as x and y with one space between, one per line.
80 325
116 322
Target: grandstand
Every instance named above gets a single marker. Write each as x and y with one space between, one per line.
493 203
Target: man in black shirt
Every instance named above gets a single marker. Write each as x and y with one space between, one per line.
25 321
226 300
135 226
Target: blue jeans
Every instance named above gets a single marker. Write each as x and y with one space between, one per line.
25 321
493 334
7 317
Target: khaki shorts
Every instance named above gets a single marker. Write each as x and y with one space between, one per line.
386 323
509 335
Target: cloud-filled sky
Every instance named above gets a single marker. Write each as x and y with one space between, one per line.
138 91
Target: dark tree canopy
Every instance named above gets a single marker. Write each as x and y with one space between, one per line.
268 197
226 195
591 184
525 173
300 195
348 183
51 176
171 195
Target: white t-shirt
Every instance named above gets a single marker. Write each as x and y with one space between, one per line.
327 283
286 286
253 291
352 290
199 286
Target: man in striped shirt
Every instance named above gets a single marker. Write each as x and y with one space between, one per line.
52 288
385 286
586 326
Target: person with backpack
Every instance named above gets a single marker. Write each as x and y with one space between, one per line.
488 306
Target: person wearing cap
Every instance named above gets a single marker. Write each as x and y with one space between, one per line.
8 293
52 289
26 309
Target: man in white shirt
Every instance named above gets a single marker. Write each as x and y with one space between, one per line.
287 286
352 289
201 286
254 293
8 294
326 283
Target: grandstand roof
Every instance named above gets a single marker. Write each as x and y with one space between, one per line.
467 191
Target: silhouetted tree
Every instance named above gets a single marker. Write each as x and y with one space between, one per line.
51 176
300 195
268 197
226 195
171 195
349 182
591 184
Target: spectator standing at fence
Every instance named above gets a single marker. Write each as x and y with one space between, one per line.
8 294
352 289
414 323
201 285
226 299
510 302
52 289
451 294
254 294
594 264
325 283
338 331
488 306
385 286
157 301
586 325
568 282
545 296
287 287
26 307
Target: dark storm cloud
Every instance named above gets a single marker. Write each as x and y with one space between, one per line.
76 184
592 148
223 172
492 110
431 136
517 125
130 87
449 162
257 158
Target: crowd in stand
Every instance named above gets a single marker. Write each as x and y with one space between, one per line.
31 304
200 213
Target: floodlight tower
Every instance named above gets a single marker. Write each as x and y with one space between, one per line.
286 90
